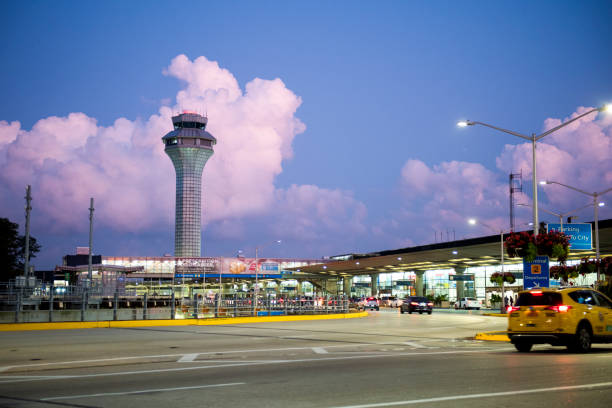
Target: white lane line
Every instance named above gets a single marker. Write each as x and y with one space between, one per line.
188 358
415 345
484 395
108 394
241 364
101 360
320 350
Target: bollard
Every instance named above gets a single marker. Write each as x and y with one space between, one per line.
173 306
18 306
51 300
83 305
144 307
115 302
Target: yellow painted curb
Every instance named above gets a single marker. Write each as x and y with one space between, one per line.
492 336
496 314
169 322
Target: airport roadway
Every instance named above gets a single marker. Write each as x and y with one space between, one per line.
383 360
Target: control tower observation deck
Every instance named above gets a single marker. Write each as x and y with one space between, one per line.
189 146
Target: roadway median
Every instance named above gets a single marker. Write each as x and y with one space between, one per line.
172 322
492 336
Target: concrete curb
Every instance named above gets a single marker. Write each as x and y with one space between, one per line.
179 322
492 336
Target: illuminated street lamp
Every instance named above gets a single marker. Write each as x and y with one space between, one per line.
473 221
533 139
256 290
596 205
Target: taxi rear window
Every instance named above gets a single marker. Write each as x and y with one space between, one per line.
540 299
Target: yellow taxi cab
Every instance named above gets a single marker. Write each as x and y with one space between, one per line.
573 317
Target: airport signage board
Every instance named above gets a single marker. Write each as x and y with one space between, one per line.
581 237
228 275
536 273
461 278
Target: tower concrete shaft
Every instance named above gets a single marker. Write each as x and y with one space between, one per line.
189 146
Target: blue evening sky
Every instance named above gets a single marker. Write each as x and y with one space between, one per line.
381 81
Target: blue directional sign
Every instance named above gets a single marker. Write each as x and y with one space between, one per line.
463 278
580 235
536 273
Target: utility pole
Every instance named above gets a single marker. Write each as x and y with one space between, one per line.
91 211
28 208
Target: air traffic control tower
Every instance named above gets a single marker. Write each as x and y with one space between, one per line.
189 146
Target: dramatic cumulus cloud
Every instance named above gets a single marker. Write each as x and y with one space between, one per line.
447 195
578 155
69 159
442 197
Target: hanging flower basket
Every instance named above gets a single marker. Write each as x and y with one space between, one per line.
521 245
499 277
564 272
553 244
588 265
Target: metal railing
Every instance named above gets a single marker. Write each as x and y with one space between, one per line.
48 303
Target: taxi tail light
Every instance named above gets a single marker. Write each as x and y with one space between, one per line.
511 309
559 308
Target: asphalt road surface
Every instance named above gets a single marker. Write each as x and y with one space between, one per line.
386 359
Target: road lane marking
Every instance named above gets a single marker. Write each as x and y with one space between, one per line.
320 350
415 345
110 394
484 395
101 360
188 358
243 364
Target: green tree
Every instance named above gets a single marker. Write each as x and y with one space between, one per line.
12 250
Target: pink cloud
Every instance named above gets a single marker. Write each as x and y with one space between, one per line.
577 155
311 212
69 159
444 195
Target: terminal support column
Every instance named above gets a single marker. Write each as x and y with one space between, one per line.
346 285
374 284
298 288
460 284
419 283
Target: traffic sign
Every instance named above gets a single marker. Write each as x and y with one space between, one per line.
536 273
580 235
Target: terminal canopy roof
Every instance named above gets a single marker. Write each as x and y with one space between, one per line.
482 251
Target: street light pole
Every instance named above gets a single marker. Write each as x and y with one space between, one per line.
28 208
534 138
596 205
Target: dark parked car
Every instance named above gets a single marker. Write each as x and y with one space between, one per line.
416 304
